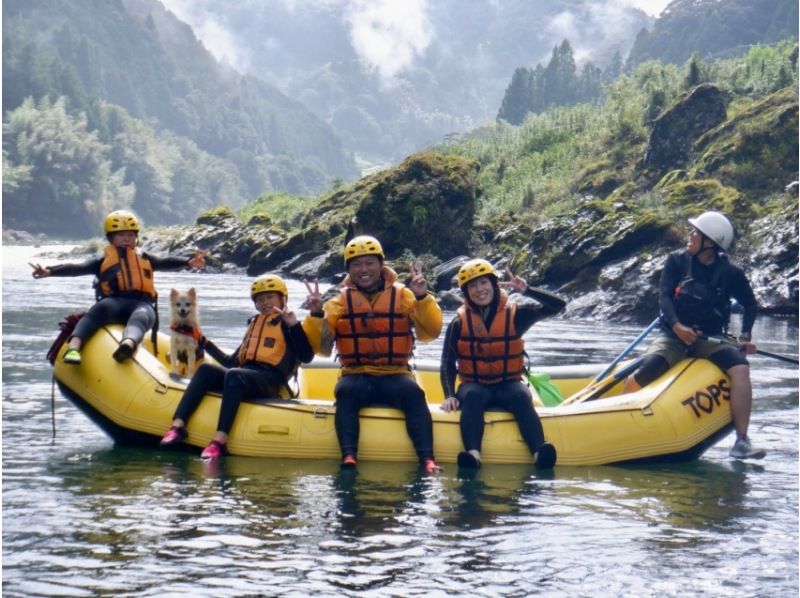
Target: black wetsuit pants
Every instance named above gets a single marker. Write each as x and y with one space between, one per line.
515 397
137 315
355 391
236 384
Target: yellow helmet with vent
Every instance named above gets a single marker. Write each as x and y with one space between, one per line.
362 245
474 269
121 220
269 284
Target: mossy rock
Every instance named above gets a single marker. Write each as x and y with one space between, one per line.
567 249
677 128
406 207
698 195
599 178
260 220
220 216
671 178
270 258
756 151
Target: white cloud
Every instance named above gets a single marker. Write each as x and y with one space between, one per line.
610 21
389 34
651 7
217 38
386 34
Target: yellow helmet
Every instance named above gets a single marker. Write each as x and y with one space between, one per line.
474 269
120 220
362 245
269 284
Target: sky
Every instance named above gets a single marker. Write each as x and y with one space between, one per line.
387 34
651 7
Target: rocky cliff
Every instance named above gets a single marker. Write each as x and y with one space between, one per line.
605 256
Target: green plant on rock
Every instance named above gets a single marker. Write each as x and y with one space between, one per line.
216 216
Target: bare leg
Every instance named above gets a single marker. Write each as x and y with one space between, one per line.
631 385
741 398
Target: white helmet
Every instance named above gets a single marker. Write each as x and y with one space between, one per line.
714 226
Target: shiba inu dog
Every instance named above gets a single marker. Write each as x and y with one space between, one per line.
185 352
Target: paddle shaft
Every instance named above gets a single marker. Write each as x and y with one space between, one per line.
596 389
778 357
627 349
758 351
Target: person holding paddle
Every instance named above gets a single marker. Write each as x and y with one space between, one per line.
696 288
373 322
483 346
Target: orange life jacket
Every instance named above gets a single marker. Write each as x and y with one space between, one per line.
378 334
265 343
494 355
125 271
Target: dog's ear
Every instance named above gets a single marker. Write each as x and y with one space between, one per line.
192 294
173 294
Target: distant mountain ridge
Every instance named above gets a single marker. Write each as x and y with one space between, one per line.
445 73
714 29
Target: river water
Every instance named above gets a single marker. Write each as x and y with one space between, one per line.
82 517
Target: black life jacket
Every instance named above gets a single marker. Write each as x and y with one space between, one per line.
704 304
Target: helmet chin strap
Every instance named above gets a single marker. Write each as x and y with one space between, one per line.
713 247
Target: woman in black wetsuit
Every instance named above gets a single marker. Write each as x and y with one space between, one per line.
484 348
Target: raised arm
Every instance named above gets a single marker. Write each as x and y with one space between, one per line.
91 266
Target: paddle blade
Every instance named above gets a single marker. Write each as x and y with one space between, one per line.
547 391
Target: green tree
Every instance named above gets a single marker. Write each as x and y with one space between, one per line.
695 74
560 80
614 68
517 99
71 184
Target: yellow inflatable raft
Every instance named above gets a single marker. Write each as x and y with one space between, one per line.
676 418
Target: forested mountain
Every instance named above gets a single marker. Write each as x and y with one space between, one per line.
393 77
159 124
705 28
714 29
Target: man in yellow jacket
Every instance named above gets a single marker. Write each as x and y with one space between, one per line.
373 322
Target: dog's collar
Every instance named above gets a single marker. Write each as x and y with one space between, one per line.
187 330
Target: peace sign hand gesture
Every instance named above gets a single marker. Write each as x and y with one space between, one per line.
417 282
515 283
198 260
314 300
39 271
287 315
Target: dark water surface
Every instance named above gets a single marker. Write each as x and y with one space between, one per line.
82 517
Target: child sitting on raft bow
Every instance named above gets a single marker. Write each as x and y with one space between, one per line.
124 287
274 344
483 345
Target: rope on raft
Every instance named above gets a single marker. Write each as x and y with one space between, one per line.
67 325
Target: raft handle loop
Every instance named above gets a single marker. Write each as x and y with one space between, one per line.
320 413
161 388
272 429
